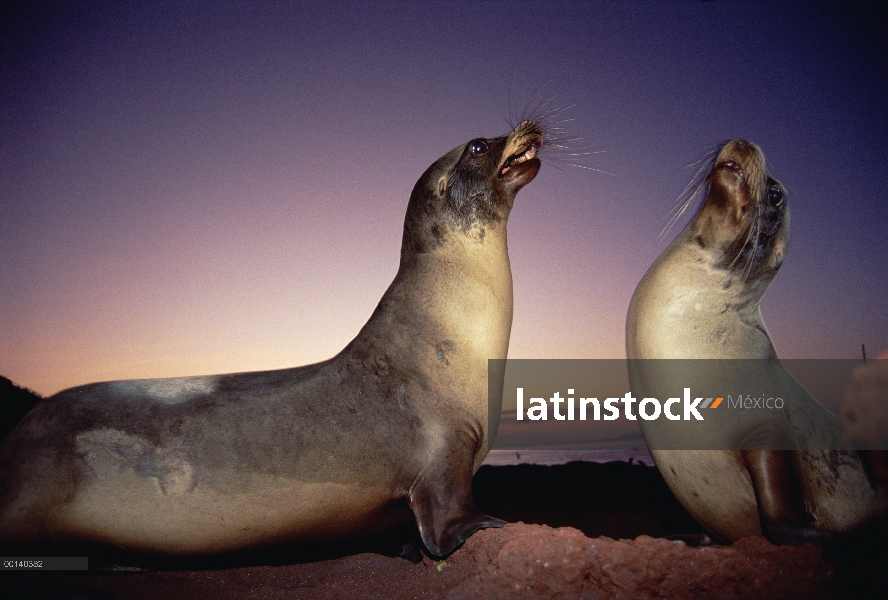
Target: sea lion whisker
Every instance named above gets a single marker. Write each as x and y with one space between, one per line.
551 160
706 160
588 168
532 109
745 253
561 147
699 181
537 112
564 151
557 168
543 113
558 145
684 201
757 249
557 154
556 123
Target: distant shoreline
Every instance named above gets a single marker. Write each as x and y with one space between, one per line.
500 458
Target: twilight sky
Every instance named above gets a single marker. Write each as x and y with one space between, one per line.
194 188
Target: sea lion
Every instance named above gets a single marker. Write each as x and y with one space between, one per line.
338 449
787 474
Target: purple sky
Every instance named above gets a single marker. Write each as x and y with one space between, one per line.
192 188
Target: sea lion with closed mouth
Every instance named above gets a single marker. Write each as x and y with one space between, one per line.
338 449
787 474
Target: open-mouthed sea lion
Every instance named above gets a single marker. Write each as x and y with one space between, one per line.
338 449
788 473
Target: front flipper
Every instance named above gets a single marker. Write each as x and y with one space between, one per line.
441 499
780 496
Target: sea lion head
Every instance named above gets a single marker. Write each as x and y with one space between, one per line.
743 223
471 189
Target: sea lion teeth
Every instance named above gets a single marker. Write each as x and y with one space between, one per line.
520 158
732 165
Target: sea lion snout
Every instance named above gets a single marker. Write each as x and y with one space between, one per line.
520 164
474 185
745 216
727 190
747 161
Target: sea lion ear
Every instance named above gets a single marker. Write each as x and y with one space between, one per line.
442 186
777 258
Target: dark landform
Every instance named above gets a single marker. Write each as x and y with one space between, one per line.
15 402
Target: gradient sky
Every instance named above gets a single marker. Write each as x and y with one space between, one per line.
194 188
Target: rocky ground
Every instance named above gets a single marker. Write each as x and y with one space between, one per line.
568 546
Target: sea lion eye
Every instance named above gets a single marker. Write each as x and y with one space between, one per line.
478 147
775 196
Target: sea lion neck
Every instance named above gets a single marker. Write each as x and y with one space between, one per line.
450 304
